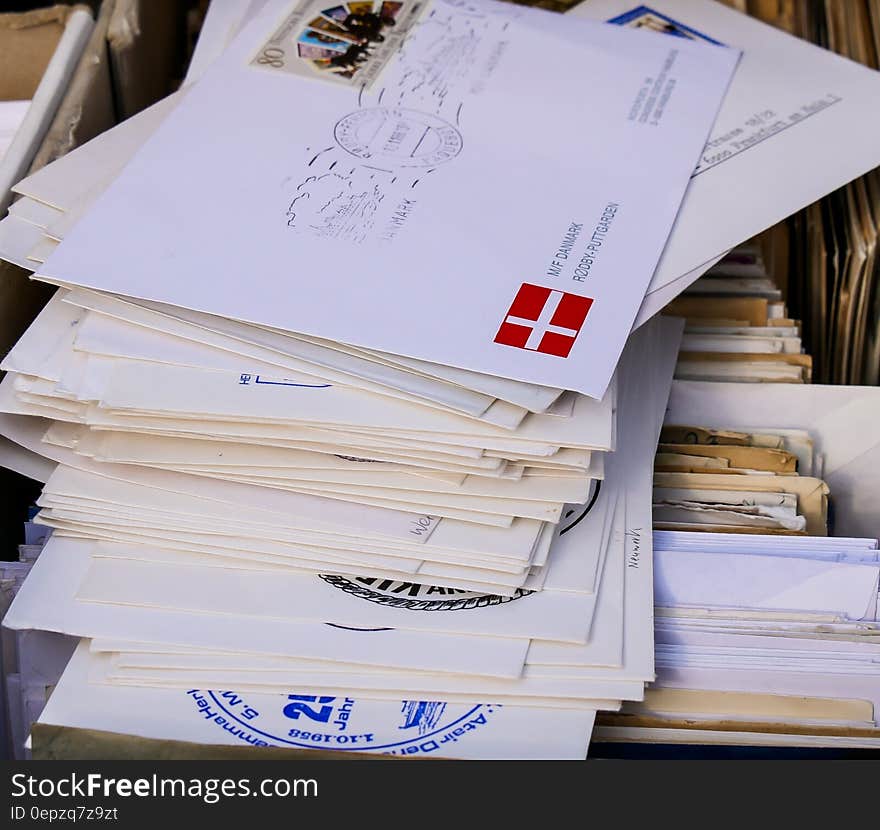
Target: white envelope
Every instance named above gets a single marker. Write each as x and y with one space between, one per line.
656 134
766 157
284 399
835 548
555 692
732 580
278 349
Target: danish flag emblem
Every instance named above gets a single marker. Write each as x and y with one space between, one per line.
543 320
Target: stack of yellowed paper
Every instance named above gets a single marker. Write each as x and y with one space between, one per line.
747 482
739 328
769 458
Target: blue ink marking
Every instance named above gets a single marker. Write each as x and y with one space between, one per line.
244 379
252 728
423 714
295 709
673 27
291 383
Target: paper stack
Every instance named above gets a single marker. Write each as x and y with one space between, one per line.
767 634
506 484
162 619
734 481
838 421
334 491
738 327
763 479
761 642
335 400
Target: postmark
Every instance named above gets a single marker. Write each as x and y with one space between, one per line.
398 137
334 722
414 596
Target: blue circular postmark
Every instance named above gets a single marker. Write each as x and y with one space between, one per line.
329 721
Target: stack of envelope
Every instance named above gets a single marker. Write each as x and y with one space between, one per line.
766 633
498 489
738 326
405 661
402 511
761 642
337 403
708 476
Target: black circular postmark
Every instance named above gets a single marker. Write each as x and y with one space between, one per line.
415 596
398 137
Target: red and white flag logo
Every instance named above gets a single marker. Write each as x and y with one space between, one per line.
543 320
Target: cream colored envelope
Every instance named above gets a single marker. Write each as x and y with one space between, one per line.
138 331
754 706
71 489
549 615
527 691
453 578
487 732
738 371
606 642
276 509
740 345
741 458
277 400
289 504
812 494
46 603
